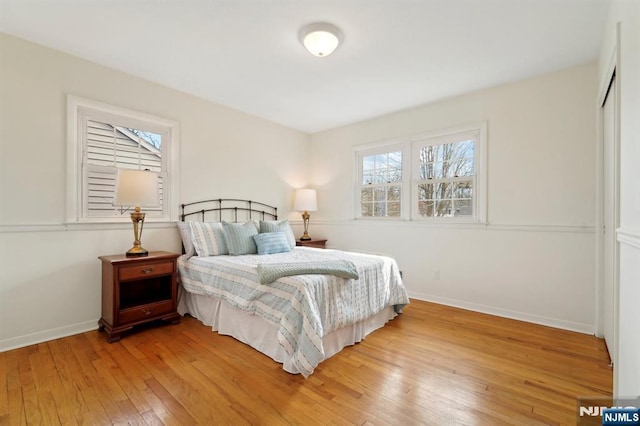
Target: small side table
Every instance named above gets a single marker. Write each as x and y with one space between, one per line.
312 243
137 290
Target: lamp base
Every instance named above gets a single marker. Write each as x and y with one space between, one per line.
137 252
305 238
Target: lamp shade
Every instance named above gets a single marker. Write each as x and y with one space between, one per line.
306 200
137 188
320 38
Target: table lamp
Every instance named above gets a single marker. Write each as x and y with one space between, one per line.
136 188
306 202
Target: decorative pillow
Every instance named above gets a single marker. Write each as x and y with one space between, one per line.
272 242
239 237
208 238
279 226
187 241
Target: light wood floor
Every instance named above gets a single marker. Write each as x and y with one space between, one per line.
432 365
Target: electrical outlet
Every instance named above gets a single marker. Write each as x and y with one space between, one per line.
436 274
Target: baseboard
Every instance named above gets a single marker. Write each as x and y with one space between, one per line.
521 316
44 336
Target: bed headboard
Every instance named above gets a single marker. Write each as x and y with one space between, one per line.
228 209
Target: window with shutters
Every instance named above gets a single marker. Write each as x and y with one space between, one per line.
104 139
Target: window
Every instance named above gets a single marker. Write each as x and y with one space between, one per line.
380 183
446 178
104 139
444 183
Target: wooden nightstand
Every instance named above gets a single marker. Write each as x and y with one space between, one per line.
312 243
137 290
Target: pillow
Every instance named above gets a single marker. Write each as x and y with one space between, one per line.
272 242
208 238
239 237
187 241
279 226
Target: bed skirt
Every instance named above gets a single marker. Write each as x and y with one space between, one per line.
256 332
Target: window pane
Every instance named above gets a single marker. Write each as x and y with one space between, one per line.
443 208
382 168
393 193
463 208
366 195
446 160
380 194
425 208
367 209
395 167
463 190
368 162
425 191
394 209
380 209
380 175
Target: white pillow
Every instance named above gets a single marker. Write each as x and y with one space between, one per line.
187 241
208 238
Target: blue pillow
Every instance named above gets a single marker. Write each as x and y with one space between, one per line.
272 242
238 237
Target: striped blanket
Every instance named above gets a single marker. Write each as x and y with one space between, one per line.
304 308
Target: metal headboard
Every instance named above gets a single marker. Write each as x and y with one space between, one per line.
207 210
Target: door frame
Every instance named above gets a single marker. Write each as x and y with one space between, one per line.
599 267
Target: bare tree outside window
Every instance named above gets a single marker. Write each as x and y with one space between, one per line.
445 184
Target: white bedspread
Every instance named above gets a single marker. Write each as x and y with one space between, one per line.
305 307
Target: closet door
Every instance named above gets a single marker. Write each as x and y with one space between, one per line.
610 217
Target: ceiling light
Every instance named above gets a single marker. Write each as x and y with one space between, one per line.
320 39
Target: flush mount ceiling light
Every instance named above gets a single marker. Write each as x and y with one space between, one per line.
320 38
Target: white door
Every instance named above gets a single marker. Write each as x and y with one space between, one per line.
610 200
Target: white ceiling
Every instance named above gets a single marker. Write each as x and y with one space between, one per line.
246 54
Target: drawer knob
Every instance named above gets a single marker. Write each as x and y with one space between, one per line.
147 271
147 312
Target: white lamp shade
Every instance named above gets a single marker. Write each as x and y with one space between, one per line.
306 200
138 188
320 39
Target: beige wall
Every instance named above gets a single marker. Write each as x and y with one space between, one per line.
49 272
535 258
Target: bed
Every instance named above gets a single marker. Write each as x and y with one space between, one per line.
297 305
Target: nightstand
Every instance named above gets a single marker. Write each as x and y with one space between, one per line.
138 290
312 243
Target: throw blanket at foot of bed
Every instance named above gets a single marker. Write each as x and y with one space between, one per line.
271 272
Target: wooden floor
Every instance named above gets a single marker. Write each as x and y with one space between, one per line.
432 365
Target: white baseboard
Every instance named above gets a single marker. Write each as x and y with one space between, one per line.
44 336
521 316
57 333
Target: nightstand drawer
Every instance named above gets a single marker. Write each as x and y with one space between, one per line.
141 313
145 271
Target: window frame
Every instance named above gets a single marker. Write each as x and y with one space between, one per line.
410 146
78 111
378 149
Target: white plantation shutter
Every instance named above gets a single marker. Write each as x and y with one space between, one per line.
109 147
